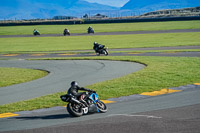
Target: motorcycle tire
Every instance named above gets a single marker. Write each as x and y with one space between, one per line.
35 34
97 53
74 112
102 107
105 52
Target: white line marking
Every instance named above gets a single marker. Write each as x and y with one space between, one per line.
128 115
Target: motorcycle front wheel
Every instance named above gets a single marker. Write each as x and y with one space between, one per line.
105 52
74 110
101 106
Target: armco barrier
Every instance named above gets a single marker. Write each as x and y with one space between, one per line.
98 21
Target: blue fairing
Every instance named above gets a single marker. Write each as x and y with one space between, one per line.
94 97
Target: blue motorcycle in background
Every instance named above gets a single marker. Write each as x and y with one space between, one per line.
78 108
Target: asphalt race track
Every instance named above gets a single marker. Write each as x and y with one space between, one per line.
171 113
177 112
80 53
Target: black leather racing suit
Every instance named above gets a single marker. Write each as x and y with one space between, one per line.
73 90
97 47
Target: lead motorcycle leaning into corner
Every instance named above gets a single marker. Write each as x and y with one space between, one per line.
100 49
78 108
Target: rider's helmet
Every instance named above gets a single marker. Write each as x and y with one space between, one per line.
74 84
95 43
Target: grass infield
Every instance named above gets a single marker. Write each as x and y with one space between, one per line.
161 72
56 44
116 27
11 76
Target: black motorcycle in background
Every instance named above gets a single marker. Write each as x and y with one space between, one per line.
90 30
100 49
36 32
66 32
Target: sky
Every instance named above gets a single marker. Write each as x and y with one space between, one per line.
116 3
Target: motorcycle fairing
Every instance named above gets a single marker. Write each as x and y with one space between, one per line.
94 97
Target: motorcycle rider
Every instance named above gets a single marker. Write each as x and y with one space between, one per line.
35 31
98 46
66 30
90 28
73 90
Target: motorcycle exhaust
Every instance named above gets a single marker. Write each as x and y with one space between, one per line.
76 101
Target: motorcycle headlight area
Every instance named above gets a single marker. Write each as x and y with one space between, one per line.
95 97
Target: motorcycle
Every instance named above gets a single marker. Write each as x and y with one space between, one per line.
36 33
90 31
78 108
66 32
101 50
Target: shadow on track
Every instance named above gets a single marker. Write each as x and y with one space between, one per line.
46 117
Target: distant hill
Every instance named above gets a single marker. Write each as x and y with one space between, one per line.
153 5
183 12
32 9
44 9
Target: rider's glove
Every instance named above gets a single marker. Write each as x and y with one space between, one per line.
92 91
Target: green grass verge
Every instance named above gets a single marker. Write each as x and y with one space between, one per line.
58 29
11 76
156 51
161 72
37 44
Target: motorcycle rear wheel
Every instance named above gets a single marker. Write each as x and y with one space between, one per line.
102 106
74 110
98 54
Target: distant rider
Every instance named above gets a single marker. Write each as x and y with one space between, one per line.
73 90
90 28
66 30
98 46
35 31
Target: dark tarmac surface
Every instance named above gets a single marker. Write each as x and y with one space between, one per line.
124 53
169 121
169 54
174 113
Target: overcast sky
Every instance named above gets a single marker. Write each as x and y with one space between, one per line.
117 3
